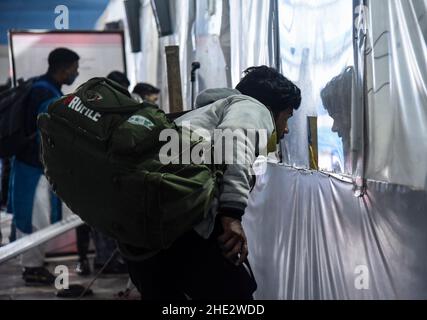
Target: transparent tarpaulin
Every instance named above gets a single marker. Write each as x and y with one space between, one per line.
251 35
396 58
316 50
211 46
310 238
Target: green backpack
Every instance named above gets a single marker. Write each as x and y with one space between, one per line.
100 149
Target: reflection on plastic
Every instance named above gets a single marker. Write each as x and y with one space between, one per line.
316 45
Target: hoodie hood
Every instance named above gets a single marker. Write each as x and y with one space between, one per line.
210 96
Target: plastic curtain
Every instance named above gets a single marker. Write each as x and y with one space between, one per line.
209 37
310 238
251 35
316 50
149 63
396 59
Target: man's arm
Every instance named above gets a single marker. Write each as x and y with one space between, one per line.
240 116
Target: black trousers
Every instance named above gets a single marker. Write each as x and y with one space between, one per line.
83 234
4 186
104 245
192 267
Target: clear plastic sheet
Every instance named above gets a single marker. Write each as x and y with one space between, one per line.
316 50
310 238
251 35
209 45
396 58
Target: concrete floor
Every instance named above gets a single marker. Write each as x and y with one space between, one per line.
106 287
12 286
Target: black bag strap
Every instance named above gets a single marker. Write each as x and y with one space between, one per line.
246 262
173 116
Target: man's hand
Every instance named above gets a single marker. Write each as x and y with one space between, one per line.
233 241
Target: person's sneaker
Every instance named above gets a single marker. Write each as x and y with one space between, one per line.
83 268
39 276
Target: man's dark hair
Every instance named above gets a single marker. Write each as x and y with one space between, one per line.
271 88
61 58
120 78
145 89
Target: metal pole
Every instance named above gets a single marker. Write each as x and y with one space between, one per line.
37 238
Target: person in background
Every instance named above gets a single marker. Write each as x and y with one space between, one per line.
4 166
105 247
4 187
31 201
120 78
147 92
83 234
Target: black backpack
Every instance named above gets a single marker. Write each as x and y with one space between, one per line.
13 105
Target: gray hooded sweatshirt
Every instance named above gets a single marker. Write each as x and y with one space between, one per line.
222 109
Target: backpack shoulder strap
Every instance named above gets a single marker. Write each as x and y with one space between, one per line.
174 116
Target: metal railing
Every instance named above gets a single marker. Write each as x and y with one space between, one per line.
35 239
